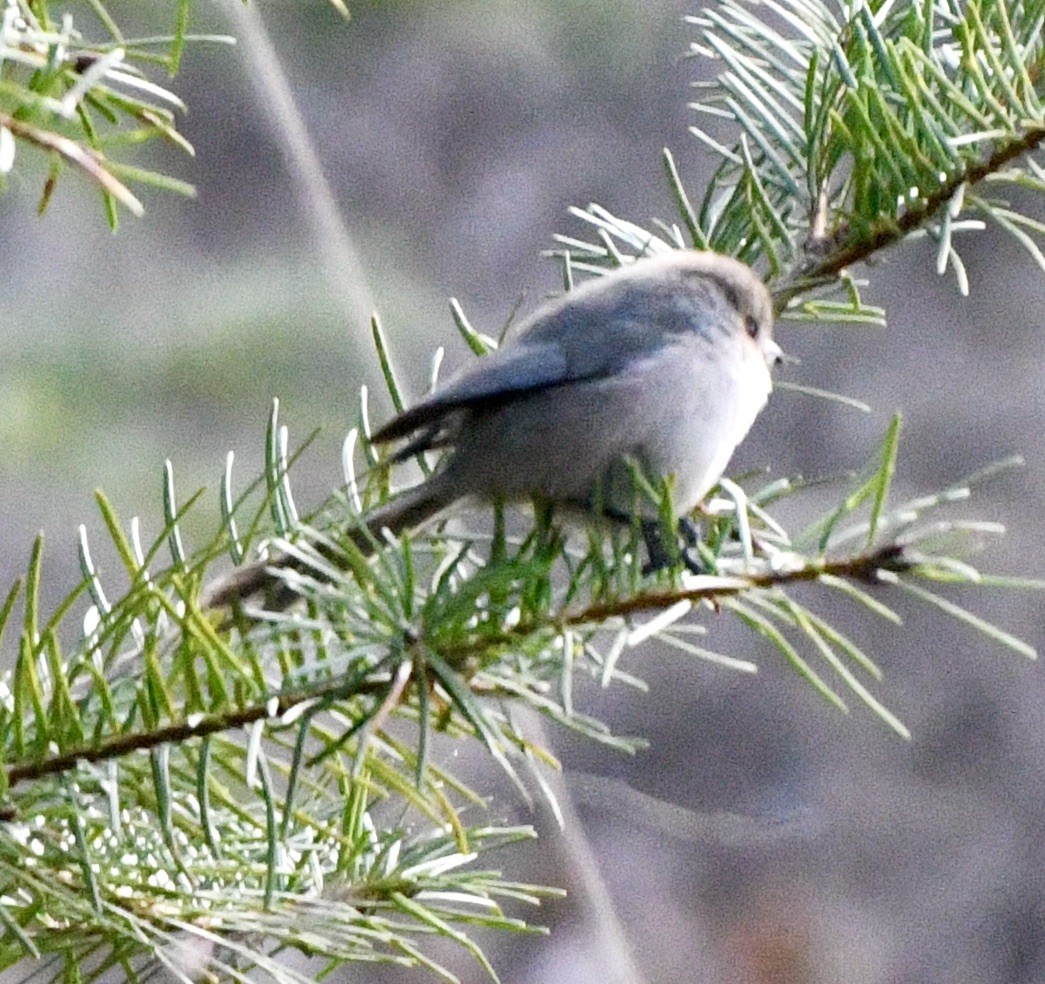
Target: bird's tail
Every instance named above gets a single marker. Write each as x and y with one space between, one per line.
409 509
262 579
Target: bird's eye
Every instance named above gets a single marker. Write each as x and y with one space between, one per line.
751 324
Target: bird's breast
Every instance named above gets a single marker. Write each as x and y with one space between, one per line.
708 402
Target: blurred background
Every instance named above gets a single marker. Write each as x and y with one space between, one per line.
763 837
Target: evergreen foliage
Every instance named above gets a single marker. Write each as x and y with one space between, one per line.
203 791
86 101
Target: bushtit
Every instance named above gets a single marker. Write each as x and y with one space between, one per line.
662 365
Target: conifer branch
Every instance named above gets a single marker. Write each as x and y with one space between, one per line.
172 778
864 567
885 232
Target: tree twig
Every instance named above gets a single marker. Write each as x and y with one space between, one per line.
887 232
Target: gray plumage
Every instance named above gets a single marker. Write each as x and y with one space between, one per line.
664 362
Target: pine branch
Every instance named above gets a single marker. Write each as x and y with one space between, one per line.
377 620
861 568
85 102
865 567
858 248
433 634
201 726
853 129
182 782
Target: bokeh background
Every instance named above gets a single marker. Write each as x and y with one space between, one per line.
763 837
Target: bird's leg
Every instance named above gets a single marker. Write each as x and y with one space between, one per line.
689 537
685 547
658 556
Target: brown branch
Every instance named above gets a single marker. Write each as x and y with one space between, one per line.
889 231
208 724
861 567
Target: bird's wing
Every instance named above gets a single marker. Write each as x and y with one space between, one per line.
512 370
584 335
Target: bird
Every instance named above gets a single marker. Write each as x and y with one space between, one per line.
662 364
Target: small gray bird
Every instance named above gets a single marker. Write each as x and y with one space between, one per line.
663 363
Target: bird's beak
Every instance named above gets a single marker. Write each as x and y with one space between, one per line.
776 356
